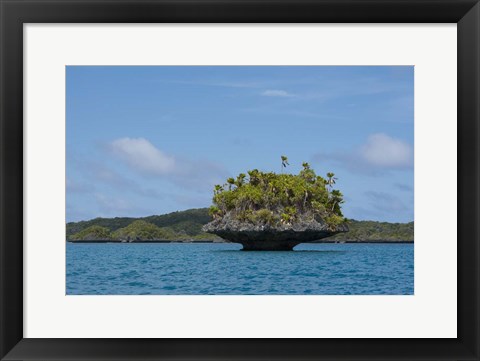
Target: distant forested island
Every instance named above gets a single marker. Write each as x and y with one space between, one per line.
186 226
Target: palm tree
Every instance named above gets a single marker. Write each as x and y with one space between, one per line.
240 180
230 182
337 198
331 179
284 163
253 174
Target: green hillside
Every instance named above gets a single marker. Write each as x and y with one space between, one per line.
188 222
141 230
93 233
187 225
376 231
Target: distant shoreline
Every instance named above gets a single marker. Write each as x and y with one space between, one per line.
186 227
211 241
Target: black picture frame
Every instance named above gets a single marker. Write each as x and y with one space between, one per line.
15 13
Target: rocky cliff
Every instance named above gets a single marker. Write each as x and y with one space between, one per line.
266 237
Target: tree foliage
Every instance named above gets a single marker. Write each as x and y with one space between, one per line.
187 225
271 198
93 233
188 222
377 231
141 230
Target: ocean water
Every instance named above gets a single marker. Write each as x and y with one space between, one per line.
221 269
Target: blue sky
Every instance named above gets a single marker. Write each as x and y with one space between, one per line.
153 140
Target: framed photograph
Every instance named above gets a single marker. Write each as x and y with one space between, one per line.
231 180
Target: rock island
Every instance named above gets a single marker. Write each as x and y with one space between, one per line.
276 211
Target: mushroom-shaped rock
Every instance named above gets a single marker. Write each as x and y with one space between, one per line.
265 237
270 211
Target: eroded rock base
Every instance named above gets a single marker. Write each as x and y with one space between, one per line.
268 246
263 237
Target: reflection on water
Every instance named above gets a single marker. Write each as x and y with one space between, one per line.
280 252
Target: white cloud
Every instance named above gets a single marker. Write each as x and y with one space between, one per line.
384 151
276 93
379 153
98 171
139 153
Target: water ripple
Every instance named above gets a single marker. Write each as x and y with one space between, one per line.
214 269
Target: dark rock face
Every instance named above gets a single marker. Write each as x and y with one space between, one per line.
263 237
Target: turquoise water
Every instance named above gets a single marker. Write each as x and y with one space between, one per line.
220 269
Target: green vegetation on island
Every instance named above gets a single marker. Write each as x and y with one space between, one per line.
264 198
192 220
93 233
144 231
275 199
370 231
186 223
176 226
